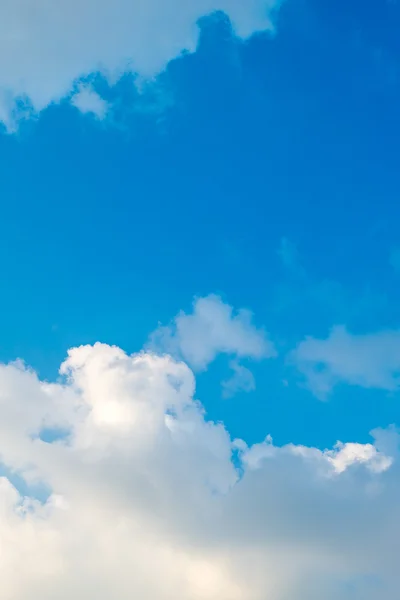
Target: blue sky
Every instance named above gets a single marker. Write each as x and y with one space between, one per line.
261 169
243 148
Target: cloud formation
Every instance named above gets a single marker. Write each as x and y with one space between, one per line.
214 328
143 498
241 380
45 47
88 101
367 360
211 329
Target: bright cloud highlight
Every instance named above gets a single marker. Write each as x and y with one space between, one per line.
144 498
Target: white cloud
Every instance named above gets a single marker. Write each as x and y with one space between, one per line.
241 380
367 360
87 100
145 501
211 329
45 47
333 462
345 455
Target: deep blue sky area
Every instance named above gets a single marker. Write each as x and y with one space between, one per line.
236 151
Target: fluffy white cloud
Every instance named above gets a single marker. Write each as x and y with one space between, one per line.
144 499
213 328
46 46
368 360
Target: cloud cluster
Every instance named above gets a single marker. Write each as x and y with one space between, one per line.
142 496
45 47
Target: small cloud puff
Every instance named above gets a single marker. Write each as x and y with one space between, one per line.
242 380
211 329
87 100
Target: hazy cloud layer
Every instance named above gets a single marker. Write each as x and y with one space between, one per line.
45 47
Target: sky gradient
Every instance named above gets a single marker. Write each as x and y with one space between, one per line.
199 223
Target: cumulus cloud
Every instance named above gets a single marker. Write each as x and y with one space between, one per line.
46 46
144 499
213 328
367 360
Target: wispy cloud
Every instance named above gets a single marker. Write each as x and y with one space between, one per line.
290 257
367 360
242 380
